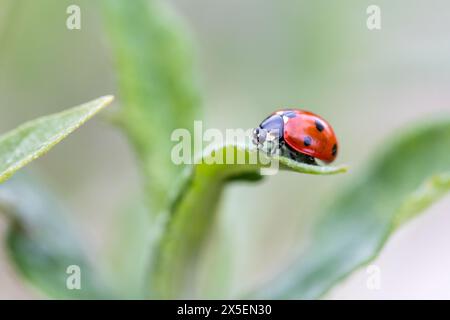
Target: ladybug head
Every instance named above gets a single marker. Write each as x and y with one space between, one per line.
270 130
259 136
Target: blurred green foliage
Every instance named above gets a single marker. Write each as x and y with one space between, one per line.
158 91
43 244
40 242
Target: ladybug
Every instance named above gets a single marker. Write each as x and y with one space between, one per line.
300 135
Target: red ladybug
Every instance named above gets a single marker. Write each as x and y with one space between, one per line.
301 135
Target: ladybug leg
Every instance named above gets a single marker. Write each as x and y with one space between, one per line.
300 157
282 147
271 147
297 156
284 150
308 160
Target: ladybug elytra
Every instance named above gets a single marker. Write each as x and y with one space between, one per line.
300 135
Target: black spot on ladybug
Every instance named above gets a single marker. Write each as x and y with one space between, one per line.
334 151
307 141
319 126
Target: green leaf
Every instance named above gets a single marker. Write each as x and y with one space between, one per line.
157 86
194 207
41 243
33 139
404 180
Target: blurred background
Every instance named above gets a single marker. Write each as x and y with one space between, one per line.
253 57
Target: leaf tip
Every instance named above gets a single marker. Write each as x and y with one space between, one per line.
107 99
